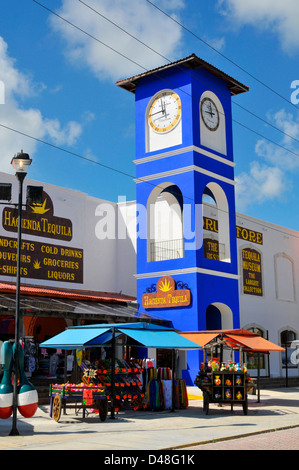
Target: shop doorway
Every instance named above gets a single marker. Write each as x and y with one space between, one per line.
219 317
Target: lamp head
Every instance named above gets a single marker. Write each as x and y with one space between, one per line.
21 163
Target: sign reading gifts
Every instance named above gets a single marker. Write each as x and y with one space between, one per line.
166 294
40 260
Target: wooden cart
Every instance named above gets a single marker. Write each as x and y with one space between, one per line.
78 397
227 387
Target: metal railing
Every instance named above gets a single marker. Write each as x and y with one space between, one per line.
168 249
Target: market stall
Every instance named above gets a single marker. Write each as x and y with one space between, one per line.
120 379
227 382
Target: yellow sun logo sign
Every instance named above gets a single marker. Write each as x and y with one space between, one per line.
36 264
39 208
165 286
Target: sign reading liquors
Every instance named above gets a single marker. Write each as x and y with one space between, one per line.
40 260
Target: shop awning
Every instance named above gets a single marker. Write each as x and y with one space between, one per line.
73 338
200 338
148 335
254 343
239 338
159 339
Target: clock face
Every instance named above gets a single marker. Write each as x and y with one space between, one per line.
209 114
165 112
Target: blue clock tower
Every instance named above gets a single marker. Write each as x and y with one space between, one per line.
187 265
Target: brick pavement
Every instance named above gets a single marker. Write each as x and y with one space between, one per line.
284 439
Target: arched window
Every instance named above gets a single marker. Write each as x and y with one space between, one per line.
252 358
286 338
216 223
165 223
215 140
284 277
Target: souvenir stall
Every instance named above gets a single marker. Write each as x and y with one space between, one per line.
227 382
126 383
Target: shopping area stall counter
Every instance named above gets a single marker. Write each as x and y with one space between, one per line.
119 379
83 396
228 382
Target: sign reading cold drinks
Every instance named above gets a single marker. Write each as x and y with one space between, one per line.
40 260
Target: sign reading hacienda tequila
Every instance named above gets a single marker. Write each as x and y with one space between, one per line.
38 220
166 295
40 260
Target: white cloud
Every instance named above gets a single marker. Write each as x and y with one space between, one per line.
261 184
13 114
281 16
279 155
217 43
140 19
268 178
60 135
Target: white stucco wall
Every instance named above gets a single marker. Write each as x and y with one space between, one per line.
94 227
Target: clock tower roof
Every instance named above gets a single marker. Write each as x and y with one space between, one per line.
191 62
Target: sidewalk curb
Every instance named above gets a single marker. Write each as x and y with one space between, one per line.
229 438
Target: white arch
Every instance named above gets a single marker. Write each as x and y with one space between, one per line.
165 233
223 218
226 315
284 277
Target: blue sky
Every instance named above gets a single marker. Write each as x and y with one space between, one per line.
60 88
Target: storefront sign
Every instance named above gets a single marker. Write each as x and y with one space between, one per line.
242 233
38 220
249 235
41 261
166 295
211 248
252 272
210 224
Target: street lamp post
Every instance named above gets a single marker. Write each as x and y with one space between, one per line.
21 163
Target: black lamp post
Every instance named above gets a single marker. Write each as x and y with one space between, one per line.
21 163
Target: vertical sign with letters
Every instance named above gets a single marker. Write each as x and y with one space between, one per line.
252 272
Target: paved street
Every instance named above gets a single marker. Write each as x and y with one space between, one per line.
287 439
189 429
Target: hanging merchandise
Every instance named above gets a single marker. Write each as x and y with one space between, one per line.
181 395
70 362
155 395
167 392
27 397
27 394
54 360
6 388
164 373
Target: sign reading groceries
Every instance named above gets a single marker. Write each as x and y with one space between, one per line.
40 260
